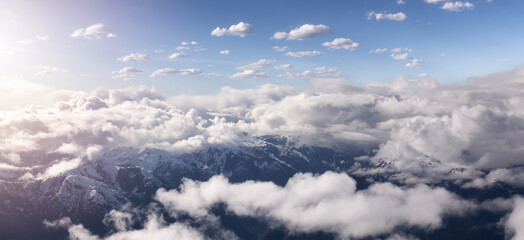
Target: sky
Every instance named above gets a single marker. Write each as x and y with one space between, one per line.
82 45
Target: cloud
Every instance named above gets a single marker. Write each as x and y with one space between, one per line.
224 52
251 74
241 29
514 225
310 203
344 43
457 6
400 16
435 1
284 66
33 40
168 71
320 72
416 63
258 65
280 49
133 57
423 75
60 167
178 55
126 73
400 56
303 32
401 2
46 70
301 54
93 31
378 50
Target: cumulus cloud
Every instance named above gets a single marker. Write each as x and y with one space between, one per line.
514 225
421 131
178 55
303 32
94 31
416 63
400 16
311 203
344 43
301 54
168 71
133 57
258 65
249 73
224 52
241 29
457 6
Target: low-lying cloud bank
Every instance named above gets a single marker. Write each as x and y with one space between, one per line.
422 130
306 204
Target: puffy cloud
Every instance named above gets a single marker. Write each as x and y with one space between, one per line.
311 203
301 54
224 52
178 55
416 63
133 57
400 16
284 66
168 71
339 43
423 75
305 31
258 65
401 2
46 70
457 6
249 73
515 223
241 29
93 31
434 1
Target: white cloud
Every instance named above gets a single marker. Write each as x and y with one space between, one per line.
304 54
224 52
258 65
241 29
178 55
378 50
329 202
93 31
284 66
320 72
434 1
305 31
457 6
514 224
416 63
401 2
126 73
33 40
133 57
397 50
280 49
339 43
423 75
400 56
46 70
250 74
60 167
400 16
168 71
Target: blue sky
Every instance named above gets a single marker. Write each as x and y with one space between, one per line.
452 44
